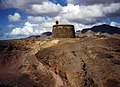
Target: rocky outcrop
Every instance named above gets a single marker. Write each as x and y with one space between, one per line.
84 64
79 62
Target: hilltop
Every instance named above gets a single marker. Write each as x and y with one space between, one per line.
67 62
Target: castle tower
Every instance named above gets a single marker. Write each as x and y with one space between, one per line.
63 31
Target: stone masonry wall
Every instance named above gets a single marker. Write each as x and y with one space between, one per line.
63 31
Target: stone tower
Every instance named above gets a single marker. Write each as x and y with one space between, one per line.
63 31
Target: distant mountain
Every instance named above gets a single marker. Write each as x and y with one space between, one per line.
34 37
41 36
103 29
46 34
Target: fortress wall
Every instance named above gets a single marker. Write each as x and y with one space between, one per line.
63 31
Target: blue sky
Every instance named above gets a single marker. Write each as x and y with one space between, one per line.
23 18
4 17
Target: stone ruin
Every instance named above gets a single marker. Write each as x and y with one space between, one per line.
63 31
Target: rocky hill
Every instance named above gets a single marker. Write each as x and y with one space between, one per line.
79 62
103 29
43 35
46 34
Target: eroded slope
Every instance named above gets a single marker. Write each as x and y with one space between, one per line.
89 62
80 62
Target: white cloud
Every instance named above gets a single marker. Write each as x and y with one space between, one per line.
36 29
43 14
109 8
42 21
112 10
115 24
35 7
28 29
16 17
89 14
21 4
36 20
33 27
25 31
91 2
45 9
10 26
80 16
